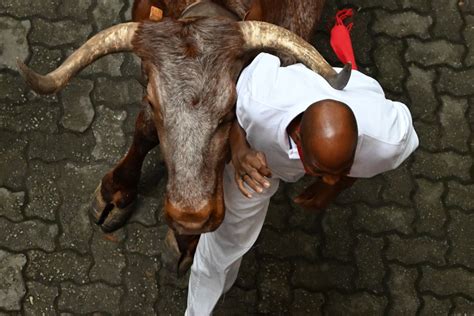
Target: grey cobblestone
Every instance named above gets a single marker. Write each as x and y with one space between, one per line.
57 267
11 204
402 291
14 44
447 281
396 244
435 53
416 250
407 23
12 286
434 307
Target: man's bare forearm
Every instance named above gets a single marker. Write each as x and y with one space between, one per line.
238 138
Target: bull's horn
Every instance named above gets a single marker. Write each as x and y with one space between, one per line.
261 35
115 39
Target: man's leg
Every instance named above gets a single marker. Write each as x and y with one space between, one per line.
218 255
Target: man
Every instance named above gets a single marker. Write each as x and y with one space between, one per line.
291 122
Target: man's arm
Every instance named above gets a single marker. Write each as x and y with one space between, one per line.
250 165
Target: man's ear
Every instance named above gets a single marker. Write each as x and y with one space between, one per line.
255 12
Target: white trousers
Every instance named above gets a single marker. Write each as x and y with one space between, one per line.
219 253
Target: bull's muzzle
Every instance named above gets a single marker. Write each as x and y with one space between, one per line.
186 221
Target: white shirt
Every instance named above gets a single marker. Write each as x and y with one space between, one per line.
270 97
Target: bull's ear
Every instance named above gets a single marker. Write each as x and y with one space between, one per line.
255 12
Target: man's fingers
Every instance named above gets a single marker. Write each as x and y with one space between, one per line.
242 188
259 179
252 183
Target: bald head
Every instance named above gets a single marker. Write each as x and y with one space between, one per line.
329 135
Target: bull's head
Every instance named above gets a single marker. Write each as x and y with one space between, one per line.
192 65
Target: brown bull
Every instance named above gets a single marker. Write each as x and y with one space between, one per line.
192 61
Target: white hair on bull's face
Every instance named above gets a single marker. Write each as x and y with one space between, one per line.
195 87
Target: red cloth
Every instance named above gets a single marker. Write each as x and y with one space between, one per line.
341 40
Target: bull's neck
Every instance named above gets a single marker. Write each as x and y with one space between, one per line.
206 8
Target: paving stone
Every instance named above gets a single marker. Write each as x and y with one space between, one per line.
274 288
145 240
468 34
37 115
287 245
171 301
388 60
364 44
247 277
140 282
434 307
440 165
107 13
363 190
108 133
42 30
11 204
78 109
58 147
448 21
12 286
26 8
116 93
463 306
44 60
76 10
461 237
438 52
77 184
399 186
109 260
107 65
466 6
146 210
322 276
384 219
299 218
403 293
25 235
371 270
456 82
307 303
44 198
366 4
57 267
278 211
338 241
89 298
13 41
236 302
359 304
39 300
447 281
460 195
402 24
419 85
13 164
131 66
12 87
456 129
432 216
418 5
416 250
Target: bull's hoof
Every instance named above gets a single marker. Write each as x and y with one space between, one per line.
175 260
107 215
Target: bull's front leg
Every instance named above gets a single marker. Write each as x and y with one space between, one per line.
114 198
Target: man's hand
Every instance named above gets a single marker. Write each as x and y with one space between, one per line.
319 195
251 168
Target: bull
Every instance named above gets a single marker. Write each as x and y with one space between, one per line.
191 59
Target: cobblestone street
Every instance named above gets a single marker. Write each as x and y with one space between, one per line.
398 244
